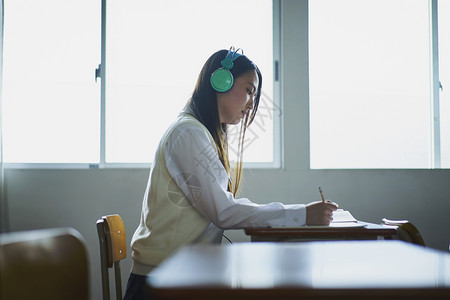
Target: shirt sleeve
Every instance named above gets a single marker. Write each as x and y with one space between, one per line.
193 163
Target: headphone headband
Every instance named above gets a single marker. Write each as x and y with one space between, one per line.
231 56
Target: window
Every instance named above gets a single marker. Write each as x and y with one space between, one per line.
370 84
153 56
49 96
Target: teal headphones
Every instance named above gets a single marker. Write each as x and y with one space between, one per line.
222 80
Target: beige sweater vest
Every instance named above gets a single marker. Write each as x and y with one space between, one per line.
168 221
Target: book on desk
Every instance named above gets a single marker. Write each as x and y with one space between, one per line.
343 218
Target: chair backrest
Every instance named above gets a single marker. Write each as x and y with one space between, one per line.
46 264
113 248
406 231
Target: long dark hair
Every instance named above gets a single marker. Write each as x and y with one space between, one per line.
203 104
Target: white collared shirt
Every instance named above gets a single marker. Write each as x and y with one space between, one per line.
193 163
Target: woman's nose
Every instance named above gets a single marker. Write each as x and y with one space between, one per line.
250 103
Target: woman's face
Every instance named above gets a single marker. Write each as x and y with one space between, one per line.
238 101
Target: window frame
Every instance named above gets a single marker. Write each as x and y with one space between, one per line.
435 84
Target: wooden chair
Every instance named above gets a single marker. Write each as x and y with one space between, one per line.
49 264
113 248
406 231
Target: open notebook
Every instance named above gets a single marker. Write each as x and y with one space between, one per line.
343 218
341 215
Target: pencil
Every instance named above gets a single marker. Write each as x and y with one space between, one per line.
321 194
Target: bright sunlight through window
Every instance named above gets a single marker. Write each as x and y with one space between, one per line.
154 53
50 100
370 99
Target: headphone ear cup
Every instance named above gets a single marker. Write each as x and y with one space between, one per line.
222 80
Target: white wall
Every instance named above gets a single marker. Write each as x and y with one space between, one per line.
77 198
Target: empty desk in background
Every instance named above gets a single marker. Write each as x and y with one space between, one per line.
360 231
311 270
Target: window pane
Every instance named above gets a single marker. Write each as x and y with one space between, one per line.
155 51
369 84
50 100
444 76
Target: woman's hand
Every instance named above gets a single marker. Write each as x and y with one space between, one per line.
320 213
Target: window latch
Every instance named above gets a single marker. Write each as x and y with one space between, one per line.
98 72
440 86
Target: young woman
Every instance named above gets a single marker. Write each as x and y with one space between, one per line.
191 195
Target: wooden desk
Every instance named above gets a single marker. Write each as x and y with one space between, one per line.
320 233
310 270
